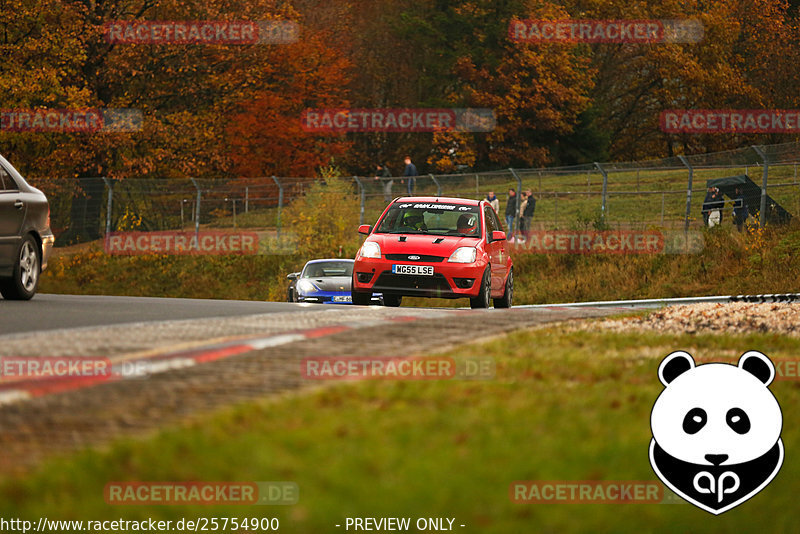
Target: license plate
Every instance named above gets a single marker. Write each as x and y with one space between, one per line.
424 270
342 298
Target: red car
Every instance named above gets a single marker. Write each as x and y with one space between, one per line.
435 247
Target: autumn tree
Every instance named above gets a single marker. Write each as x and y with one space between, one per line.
190 95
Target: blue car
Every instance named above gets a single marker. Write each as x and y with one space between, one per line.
323 281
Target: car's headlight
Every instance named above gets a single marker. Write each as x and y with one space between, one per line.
463 255
304 286
371 249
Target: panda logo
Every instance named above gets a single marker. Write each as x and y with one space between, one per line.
716 430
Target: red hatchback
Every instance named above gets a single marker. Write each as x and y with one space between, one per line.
435 247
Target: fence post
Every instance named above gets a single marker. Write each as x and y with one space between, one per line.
478 190
196 208
362 194
688 192
763 185
519 193
280 205
605 190
246 198
109 204
438 185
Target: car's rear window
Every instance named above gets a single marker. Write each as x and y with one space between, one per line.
433 218
328 268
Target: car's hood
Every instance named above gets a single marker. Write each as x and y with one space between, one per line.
331 283
421 244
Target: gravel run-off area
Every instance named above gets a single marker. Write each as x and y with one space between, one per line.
731 318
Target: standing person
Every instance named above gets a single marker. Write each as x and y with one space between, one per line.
717 204
523 223
409 173
511 210
739 209
382 173
494 201
707 202
530 208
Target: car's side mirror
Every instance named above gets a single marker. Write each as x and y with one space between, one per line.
293 276
497 235
365 229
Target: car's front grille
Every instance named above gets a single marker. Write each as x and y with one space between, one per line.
416 257
403 281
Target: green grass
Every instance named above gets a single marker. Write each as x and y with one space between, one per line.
731 263
565 406
89 271
638 199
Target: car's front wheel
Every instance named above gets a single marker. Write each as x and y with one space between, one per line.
485 292
505 300
25 278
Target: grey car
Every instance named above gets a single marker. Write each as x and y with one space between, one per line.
25 236
325 281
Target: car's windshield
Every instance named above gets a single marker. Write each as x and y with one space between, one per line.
431 218
328 268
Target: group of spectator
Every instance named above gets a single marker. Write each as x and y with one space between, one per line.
714 203
525 212
383 173
527 207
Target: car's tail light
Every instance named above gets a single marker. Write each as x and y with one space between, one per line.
48 215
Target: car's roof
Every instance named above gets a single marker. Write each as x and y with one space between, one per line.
329 259
443 200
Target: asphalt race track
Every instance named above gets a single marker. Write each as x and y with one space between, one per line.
175 358
50 312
